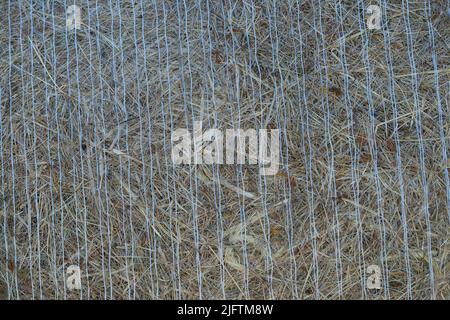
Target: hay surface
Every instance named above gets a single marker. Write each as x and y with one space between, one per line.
87 178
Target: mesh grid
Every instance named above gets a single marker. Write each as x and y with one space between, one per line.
87 177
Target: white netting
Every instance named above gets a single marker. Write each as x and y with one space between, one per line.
87 177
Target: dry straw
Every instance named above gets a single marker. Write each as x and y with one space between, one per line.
87 177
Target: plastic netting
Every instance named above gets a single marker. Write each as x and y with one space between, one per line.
87 177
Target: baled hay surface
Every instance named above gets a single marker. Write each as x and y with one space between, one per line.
87 177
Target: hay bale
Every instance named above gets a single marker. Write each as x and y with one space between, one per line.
87 177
